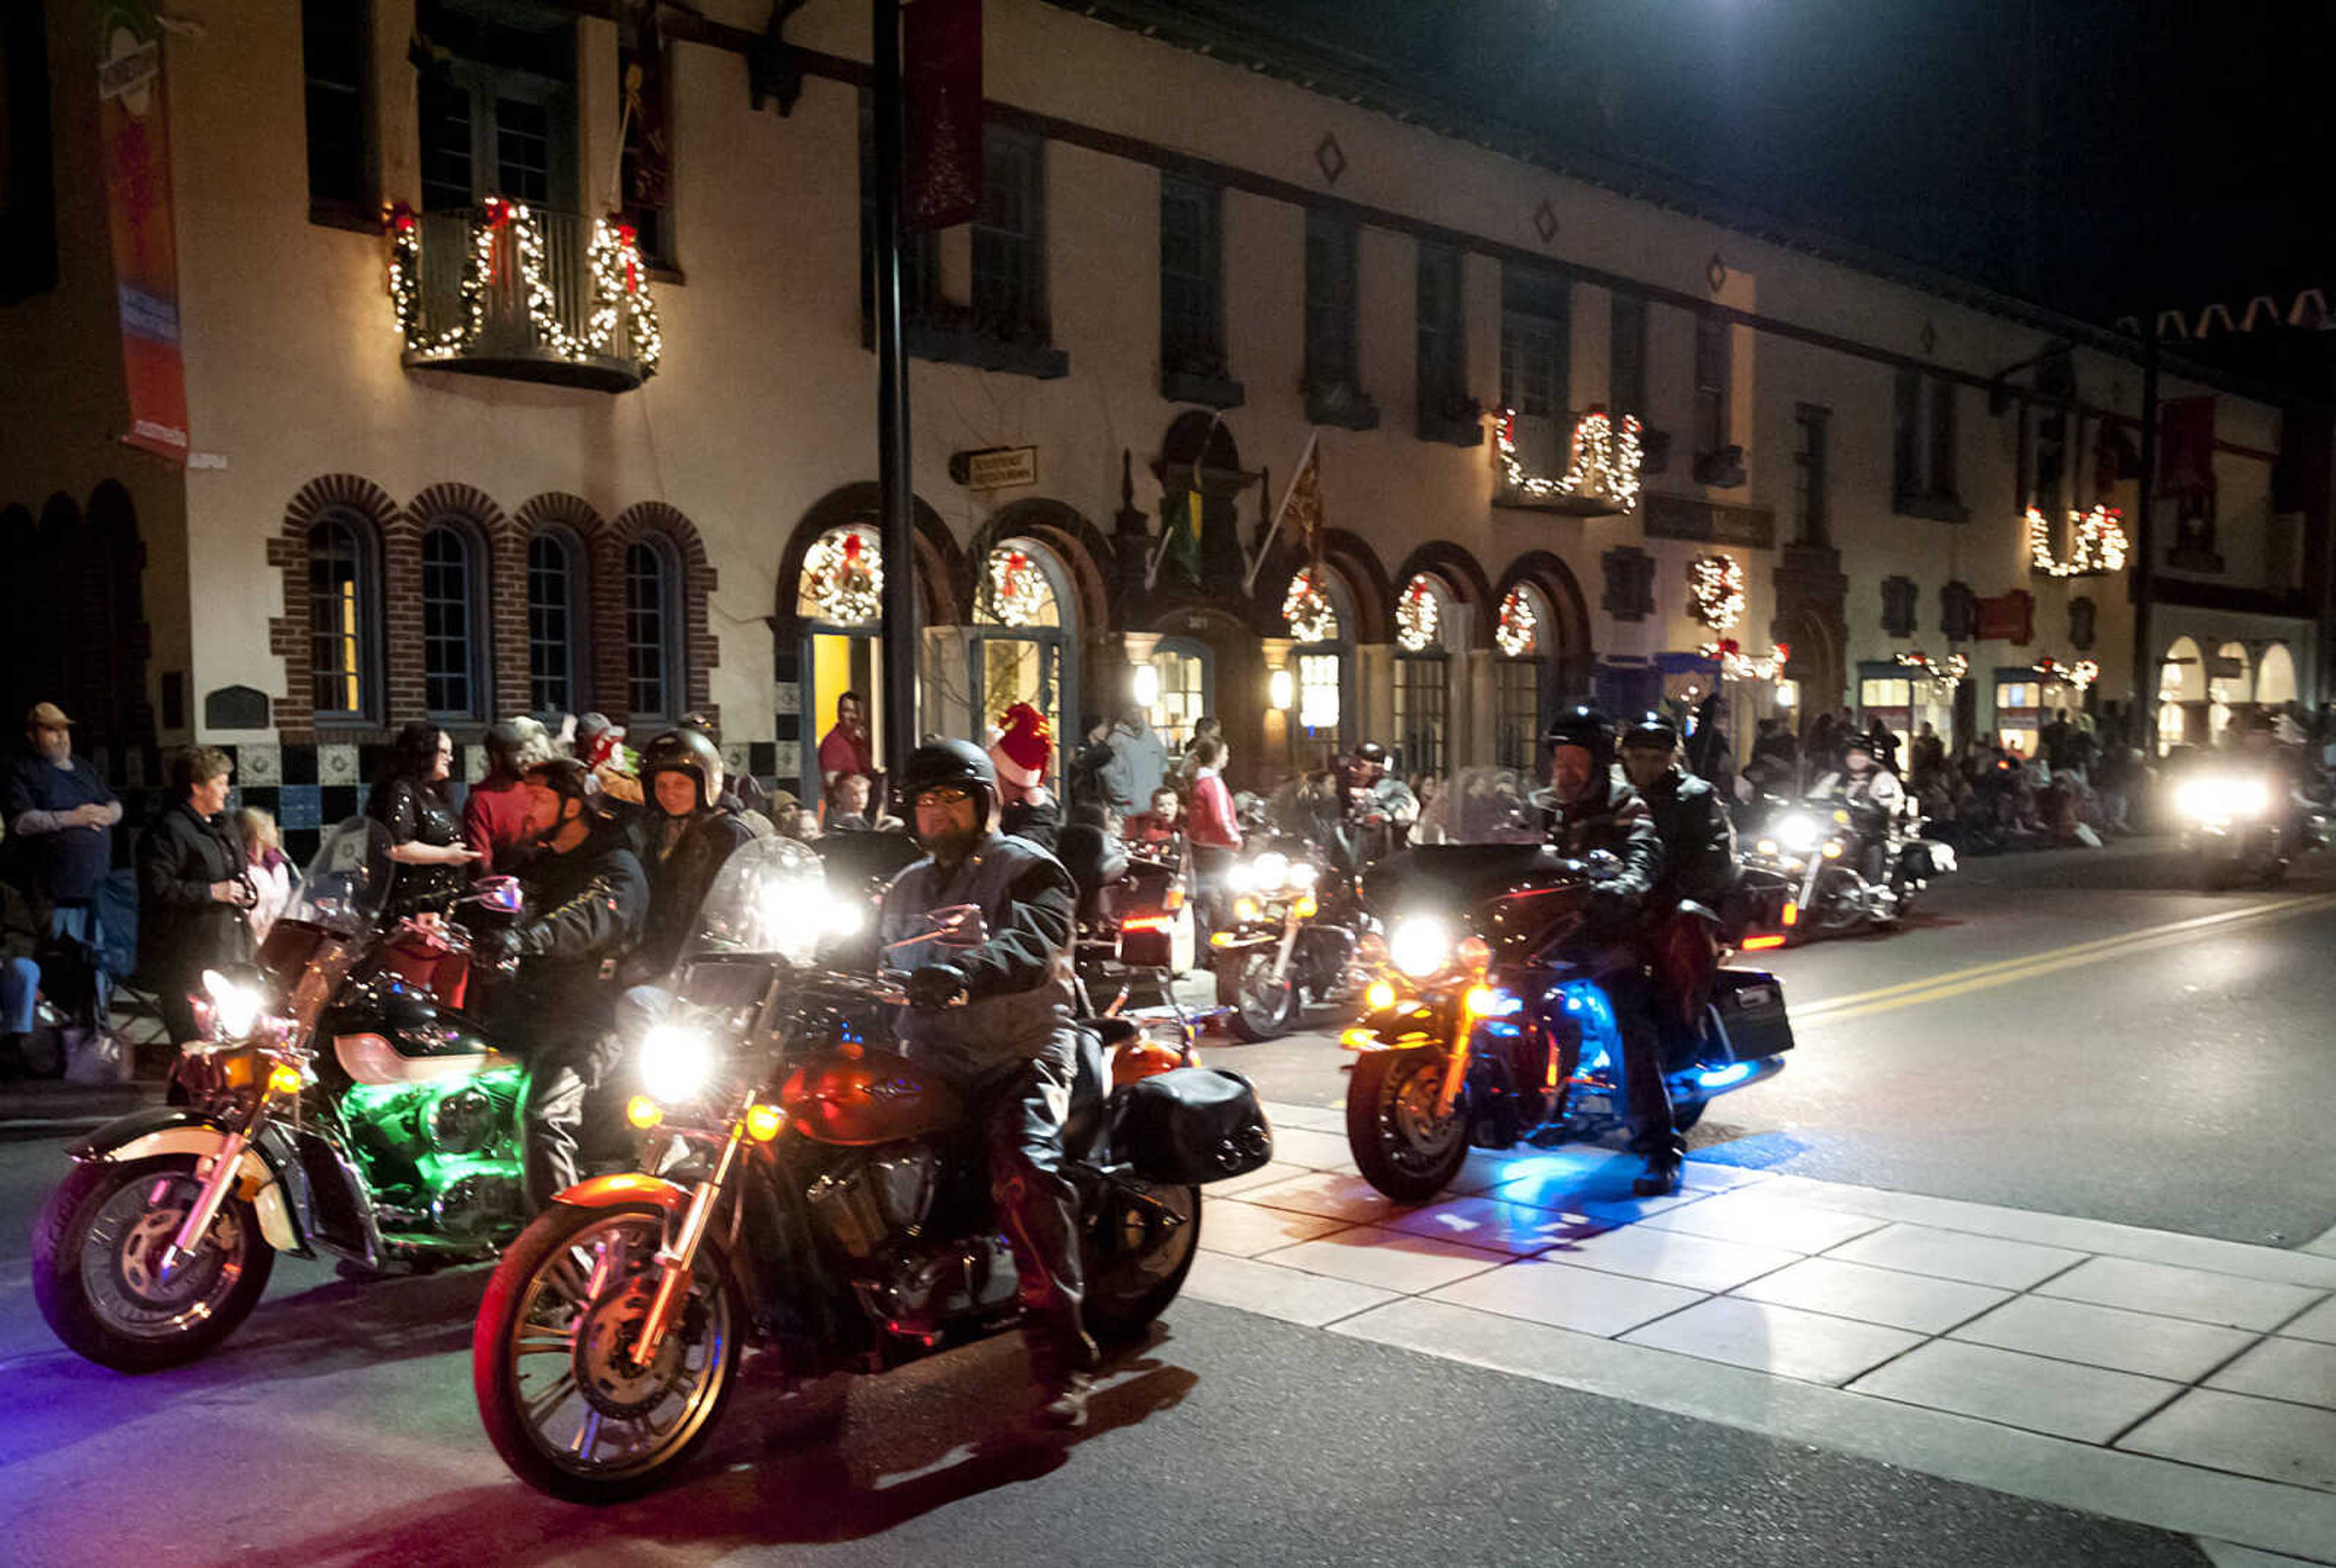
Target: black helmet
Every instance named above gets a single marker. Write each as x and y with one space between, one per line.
563 776
684 751
1584 726
950 762
1653 731
1859 740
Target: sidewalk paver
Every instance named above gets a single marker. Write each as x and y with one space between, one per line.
1783 1341
2144 1342
2192 1293
1921 1302
2090 1404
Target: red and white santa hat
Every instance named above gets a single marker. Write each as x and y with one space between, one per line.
1022 746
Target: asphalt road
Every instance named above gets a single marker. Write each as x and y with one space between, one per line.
2180 1084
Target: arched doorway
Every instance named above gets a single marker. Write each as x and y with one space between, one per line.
1428 633
1022 639
2230 689
1522 680
2181 684
1318 609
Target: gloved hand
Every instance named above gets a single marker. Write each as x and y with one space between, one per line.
502 945
934 986
1608 908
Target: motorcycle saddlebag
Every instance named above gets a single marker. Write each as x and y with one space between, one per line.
1749 1005
1190 1125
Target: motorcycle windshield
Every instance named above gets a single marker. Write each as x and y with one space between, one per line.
770 899
1481 835
1481 805
346 884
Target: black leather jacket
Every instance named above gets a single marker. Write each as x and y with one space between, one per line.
585 911
1615 820
678 874
1699 838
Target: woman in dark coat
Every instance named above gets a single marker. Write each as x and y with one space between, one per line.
192 889
426 833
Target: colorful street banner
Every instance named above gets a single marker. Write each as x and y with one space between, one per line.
135 141
940 74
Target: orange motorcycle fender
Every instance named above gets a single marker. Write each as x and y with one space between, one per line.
627 1187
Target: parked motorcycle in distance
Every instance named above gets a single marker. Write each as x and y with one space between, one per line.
1817 845
2235 828
330 1105
1290 940
1493 1021
834 1216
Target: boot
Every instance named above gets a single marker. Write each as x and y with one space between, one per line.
1061 1369
1663 1177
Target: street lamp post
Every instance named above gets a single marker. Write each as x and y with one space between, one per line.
896 493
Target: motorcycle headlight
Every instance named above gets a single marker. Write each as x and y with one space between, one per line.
677 1062
1421 946
2222 799
1302 874
1269 869
1241 876
846 917
235 1008
1800 832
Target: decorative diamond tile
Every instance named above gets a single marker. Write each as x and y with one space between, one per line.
1544 221
2192 1293
2089 1404
786 759
1389 1260
336 764
1330 157
2299 1370
1715 272
300 806
733 758
1902 1301
1582 1299
2295 1444
1957 1255
2143 1342
258 764
1782 1342
788 698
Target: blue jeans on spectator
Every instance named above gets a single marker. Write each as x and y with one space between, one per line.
20 984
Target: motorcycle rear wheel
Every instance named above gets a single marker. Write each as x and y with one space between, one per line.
1401 1146
572 1290
1135 1265
96 1249
1262 1008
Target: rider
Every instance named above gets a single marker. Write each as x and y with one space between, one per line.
1699 860
1021 750
1376 809
1592 810
684 836
587 897
1875 798
994 1021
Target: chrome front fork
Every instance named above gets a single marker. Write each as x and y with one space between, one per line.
678 1255
224 1168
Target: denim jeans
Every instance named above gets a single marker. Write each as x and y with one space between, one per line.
20 984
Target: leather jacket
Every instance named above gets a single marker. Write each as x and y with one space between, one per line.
1017 982
585 911
679 870
1616 820
1699 838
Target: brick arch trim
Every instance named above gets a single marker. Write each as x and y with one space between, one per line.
1458 570
287 552
940 565
552 510
401 573
1075 541
1360 564
700 652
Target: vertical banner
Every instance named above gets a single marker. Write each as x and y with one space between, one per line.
648 158
135 141
940 74
2186 459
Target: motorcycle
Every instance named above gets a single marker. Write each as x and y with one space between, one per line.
2235 828
836 1218
1291 939
1495 1020
1135 930
330 1105
1817 844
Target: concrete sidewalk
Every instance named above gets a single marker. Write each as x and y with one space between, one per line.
2172 1380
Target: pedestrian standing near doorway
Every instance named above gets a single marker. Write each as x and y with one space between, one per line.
1211 830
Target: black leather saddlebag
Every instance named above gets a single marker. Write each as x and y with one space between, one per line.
1749 1005
1190 1125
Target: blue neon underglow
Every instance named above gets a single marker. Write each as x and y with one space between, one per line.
1602 1036
1506 1005
1720 1077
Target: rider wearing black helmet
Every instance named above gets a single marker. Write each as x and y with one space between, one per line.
1592 810
684 835
1875 798
994 1021
1699 862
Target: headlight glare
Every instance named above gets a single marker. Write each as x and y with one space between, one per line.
677 1062
1420 946
235 1008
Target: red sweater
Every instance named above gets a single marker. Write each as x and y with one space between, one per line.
1211 815
494 819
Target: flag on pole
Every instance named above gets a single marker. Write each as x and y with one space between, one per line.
1301 506
1180 532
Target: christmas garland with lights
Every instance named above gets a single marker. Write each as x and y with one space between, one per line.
1519 628
1735 664
1018 588
2077 676
1946 673
846 577
620 281
1605 464
1715 590
1307 609
1416 615
2101 543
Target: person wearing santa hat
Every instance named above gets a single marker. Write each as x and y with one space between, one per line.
1021 746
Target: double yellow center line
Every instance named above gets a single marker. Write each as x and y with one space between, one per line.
2008 972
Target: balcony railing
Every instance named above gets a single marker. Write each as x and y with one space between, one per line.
529 295
1587 464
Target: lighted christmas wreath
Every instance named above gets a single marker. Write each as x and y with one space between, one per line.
1520 629
1307 609
1017 587
845 575
2101 543
1416 615
1715 590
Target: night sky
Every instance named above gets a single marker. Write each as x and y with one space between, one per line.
2186 150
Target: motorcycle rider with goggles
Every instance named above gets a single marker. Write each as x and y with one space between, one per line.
994 1021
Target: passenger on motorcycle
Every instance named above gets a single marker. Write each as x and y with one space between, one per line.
586 897
1020 753
994 1021
1699 863
684 836
1875 798
1590 810
1376 809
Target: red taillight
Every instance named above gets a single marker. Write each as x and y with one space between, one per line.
1144 923
1760 944
1792 912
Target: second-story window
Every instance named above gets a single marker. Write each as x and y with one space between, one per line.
1812 429
1536 342
1009 238
1445 411
1712 372
1330 273
1626 357
452 678
335 68
1923 465
1192 278
497 109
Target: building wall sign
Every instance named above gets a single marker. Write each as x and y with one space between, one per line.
2008 617
1710 521
994 467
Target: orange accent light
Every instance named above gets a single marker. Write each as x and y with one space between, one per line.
1307 906
1358 1038
764 1123
1480 1000
643 1111
1761 944
1175 899
1380 995
1221 939
284 1078
1144 923
1792 912
1474 953
1244 909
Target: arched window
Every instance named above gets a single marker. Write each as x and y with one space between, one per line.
1522 639
1187 680
343 619
1022 635
2229 685
1318 608
2181 681
556 618
1426 626
839 600
2275 676
653 630
453 676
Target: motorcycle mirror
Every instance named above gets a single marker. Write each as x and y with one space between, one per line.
501 894
1603 865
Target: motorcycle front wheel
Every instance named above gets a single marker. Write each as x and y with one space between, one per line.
97 1265
1402 1146
562 1399
1262 1008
